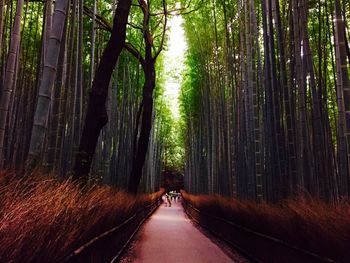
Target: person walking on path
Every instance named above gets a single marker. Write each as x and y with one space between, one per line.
168 199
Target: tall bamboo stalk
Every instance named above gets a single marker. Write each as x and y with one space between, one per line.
10 74
48 77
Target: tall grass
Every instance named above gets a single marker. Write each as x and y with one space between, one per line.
303 222
41 219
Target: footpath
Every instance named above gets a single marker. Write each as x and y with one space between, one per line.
168 236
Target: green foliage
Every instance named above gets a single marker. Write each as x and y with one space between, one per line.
173 144
190 92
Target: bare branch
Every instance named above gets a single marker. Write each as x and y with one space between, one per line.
158 35
160 48
158 23
103 23
135 26
132 50
143 6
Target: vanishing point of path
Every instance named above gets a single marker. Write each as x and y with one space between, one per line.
169 236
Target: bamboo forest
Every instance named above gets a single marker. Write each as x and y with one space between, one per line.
174 131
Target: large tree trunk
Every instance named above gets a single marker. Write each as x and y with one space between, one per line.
148 65
96 116
146 126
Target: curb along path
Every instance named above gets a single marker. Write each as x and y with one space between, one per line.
169 236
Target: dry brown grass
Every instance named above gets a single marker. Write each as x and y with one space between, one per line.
41 219
303 222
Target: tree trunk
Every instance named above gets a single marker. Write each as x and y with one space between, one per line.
146 126
9 75
53 135
96 116
343 94
48 78
1 28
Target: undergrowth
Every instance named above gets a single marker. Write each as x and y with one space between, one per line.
42 219
302 222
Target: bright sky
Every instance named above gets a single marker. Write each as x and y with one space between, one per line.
174 63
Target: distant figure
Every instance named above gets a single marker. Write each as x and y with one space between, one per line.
167 196
165 200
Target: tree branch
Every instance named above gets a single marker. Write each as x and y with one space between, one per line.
135 26
180 11
99 19
132 50
160 48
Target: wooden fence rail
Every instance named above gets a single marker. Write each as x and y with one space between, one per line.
109 246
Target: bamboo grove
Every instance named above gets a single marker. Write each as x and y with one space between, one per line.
63 69
265 109
265 99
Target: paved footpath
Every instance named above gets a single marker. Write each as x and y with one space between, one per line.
169 237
